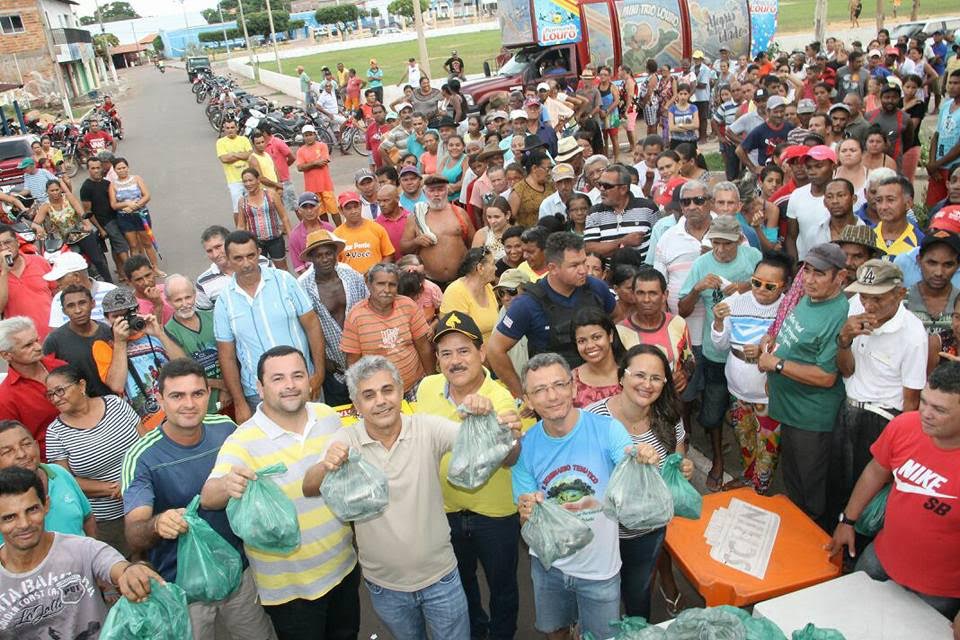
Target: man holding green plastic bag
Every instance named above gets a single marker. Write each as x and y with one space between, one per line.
163 474
309 589
49 580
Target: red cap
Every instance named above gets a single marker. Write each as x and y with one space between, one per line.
346 197
947 219
822 152
794 152
891 50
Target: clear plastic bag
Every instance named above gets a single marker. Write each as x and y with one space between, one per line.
265 518
811 632
481 447
637 497
757 628
357 490
208 567
687 501
706 624
871 520
162 616
553 533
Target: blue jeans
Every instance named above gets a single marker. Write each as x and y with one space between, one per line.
494 543
562 600
639 556
407 614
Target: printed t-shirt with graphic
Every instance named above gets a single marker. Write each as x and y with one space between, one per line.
672 337
316 179
919 545
367 333
907 241
764 140
366 245
948 131
239 144
683 116
200 345
60 597
809 336
573 472
747 323
145 357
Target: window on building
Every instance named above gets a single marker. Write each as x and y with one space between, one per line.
11 24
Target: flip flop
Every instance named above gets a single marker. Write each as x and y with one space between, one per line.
714 483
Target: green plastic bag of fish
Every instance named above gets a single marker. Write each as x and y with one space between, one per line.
265 518
553 533
481 447
637 497
357 490
208 567
162 616
687 501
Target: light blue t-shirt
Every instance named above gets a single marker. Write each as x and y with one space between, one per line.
573 472
659 228
409 203
948 131
374 78
737 270
911 269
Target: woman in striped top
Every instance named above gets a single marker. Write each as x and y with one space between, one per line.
649 407
90 438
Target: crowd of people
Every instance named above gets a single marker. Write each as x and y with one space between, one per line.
802 303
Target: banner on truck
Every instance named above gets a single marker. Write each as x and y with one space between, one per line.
763 21
650 29
516 23
558 21
716 24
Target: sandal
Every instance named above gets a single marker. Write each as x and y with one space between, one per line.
714 482
673 606
737 483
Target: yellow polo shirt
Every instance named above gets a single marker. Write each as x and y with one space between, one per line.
907 242
494 499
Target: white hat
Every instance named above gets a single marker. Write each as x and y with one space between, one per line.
518 114
543 86
308 128
404 105
774 102
64 263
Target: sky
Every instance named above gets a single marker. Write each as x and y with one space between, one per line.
151 7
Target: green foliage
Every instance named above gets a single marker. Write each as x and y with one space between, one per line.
102 41
374 13
217 36
158 44
405 7
87 20
294 25
212 16
111 12
258 23
335 14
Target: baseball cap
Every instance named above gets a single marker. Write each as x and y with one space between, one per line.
391 115
892 51
826 256
512 279
435 178
760 94
776 101
838 107
26 162
876 276
403 105
308 128
724 228
874 52
562 171
892 83
543 86
321 237
947 219
859 234
531 102
459 322
822 152
445 121
518 114
494 115
64 263
697 55
793 152
308 197
347 197
409 169
567 149
119 299
952 240
806 106
363 174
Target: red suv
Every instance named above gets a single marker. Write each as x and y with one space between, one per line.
13 149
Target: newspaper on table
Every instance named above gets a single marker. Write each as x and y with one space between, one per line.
741 536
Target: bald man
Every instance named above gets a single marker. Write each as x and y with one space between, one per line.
392 216
192 330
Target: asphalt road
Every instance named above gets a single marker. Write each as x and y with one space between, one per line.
169 143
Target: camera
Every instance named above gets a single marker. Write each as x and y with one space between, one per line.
135 322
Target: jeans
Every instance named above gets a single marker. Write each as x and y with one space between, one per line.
805 461
494 542
333 616
854 431
440 607
639 556
240 613
716 398
870 564
562 600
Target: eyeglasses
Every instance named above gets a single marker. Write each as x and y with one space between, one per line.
506 291
610 185
559 387
757 283
697 200
643 377
58 391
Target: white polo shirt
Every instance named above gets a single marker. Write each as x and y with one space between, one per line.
894 356
552 205
674 257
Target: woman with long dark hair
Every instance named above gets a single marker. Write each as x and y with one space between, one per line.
648 406
598 343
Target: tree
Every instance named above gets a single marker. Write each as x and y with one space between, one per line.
102 41
158 44
405 7
212 16
111 12
374 13
217 36
295 25
335 14
258 23
87 20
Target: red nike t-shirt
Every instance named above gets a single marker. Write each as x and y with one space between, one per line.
919 545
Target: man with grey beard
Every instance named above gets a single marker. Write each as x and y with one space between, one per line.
192 330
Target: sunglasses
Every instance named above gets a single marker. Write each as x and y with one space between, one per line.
757 283
505 290
697 200
610 185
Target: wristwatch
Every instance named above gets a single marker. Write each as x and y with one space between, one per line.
779 366
843 519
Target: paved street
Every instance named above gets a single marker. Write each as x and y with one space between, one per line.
170 144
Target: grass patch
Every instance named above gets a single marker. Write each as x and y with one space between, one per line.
714 161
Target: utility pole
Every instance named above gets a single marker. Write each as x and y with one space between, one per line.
880 15
225 41
914 9
421 39
48 34
273 37
106 45
820 20
246 37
